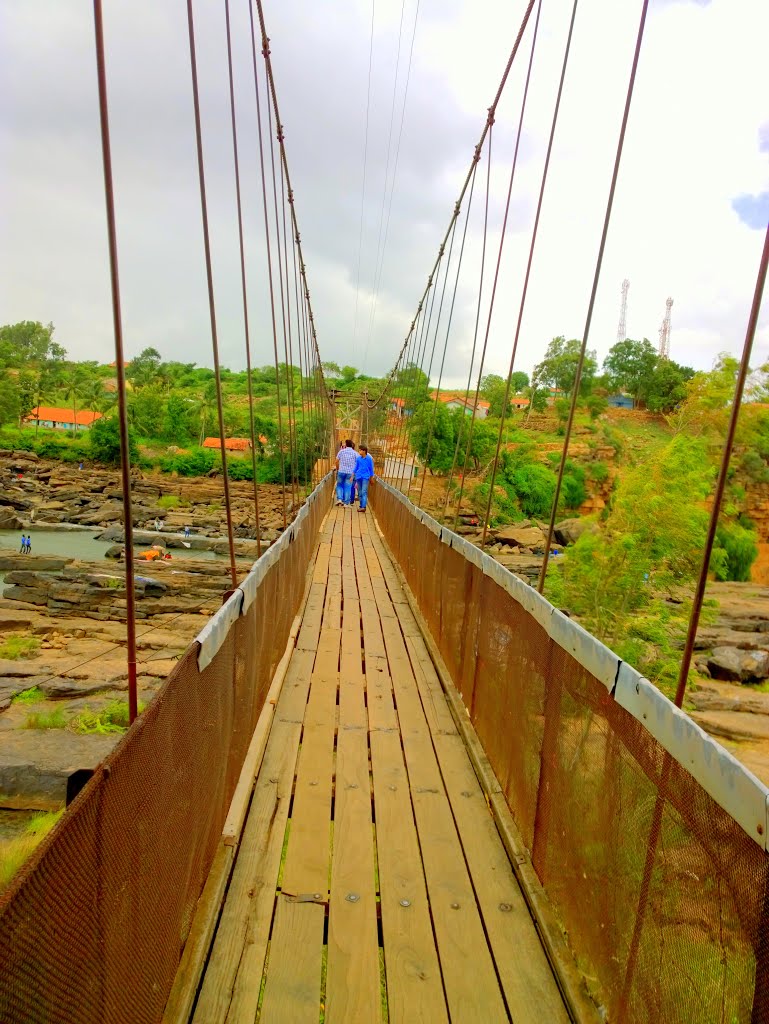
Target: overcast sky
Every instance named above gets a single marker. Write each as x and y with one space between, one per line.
690 210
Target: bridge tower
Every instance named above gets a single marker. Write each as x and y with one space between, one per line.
622 329
664 349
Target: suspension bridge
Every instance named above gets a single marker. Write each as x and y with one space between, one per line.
389 781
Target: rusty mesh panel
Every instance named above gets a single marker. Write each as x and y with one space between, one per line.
603 807
93 927
601 782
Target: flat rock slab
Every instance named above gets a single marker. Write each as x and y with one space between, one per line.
36 763
733 725
714 696
60 688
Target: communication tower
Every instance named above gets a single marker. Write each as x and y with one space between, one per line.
622 329
664 349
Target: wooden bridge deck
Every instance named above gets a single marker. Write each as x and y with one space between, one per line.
370 882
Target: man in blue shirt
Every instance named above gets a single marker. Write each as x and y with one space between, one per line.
364 470
346 461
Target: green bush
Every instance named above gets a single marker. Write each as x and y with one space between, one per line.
534 487
573 490
104 441
198 462
736 551
31 696
753 466
598 471
46 720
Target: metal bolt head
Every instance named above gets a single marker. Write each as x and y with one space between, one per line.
352 897
455 906
405 903
317 895
505 907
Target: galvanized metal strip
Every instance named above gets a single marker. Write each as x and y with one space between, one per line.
583 647
720 774
215 632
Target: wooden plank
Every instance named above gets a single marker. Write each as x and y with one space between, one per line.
471 996
292 989
581 1008
352 985
180 1002
313 615
307 859
531 991
231 984
320 571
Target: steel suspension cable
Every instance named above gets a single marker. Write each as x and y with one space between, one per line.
268 245
477 321
300 344
476 152
279 261
288 347
591 304
244 291
435 333
380 268
117 325
416 340
525 289
363 187
499 263
210 284
431 433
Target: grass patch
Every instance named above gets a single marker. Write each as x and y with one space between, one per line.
15 647
46 720
15 852
169 501
111 719
31 696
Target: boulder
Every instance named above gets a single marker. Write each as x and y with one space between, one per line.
115 551
36 763
568 531
522 537
105 514
8 518
738 665
60 688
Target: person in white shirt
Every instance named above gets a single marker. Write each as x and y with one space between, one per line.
346 461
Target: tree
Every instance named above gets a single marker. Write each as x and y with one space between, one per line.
630 367
596 406
9 401
518 381
559 367
74 383
145 368
432 436
349 373
177 419
667 387
145 412
26 343
482 442
493 390
331 369
104 441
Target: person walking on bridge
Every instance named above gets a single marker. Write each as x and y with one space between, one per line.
364 471
346 461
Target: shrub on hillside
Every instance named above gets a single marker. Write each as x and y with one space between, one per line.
104 441
198 462
736 551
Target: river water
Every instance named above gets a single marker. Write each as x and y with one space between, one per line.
79 544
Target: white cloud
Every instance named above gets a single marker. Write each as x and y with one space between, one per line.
693 145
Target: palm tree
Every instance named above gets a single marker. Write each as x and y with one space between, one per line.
73 386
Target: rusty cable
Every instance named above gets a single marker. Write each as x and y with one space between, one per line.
243 278
476 157
477 321
117 323
591 304
210 284
528 272
497 268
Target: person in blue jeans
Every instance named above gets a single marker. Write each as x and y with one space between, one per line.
346 461
364 470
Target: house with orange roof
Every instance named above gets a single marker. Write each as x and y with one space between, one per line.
231 444
55 418
458 400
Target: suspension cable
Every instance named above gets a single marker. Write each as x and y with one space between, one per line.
499 263
431 433
525 289
117 323
466 183
591 304
241 246
210 283
379 264
477 321
267 241
363 186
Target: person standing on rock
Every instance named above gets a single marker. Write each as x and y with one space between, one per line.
186 532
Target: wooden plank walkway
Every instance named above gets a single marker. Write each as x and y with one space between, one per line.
370 883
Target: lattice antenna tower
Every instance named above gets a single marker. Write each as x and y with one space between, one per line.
622 329
664 349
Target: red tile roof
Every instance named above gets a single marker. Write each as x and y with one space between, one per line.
231 444
85 417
